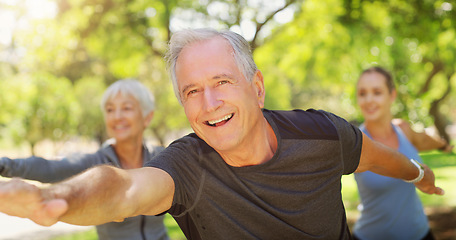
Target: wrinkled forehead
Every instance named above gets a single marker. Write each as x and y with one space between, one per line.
213 46
195 58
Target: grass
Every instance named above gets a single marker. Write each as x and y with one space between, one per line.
443 165
86 235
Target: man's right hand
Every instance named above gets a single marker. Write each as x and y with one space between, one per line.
22 199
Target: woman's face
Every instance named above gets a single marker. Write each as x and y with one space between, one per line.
374 98
123 118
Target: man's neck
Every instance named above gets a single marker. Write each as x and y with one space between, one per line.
253 151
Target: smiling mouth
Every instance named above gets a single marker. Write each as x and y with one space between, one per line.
119 127
219 122
370 110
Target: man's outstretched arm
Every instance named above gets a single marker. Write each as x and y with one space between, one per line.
378 158
99 195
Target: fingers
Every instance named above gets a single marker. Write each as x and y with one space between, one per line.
50 212
427 185
21 199
439 191
56 207
17 197
431 189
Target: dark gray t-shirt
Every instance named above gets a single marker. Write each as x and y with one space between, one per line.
295 195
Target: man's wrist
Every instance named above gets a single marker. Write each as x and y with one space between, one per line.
420 175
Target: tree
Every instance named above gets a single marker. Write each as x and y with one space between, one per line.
44 107
88 93
426 30
106 40
316 59
311 52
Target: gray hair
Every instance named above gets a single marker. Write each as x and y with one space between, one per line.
133 88
242 52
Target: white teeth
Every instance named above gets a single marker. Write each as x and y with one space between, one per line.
219 120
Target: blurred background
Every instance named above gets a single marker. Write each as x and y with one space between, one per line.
58 56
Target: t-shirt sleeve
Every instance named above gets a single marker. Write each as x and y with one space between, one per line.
351 141
180 161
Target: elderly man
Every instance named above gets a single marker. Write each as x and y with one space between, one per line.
246 172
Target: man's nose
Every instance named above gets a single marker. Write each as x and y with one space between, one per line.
211 99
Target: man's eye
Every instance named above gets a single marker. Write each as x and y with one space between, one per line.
222 82
191 92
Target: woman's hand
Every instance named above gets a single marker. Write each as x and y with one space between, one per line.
427 184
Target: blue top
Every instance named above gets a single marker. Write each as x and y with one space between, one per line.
390 208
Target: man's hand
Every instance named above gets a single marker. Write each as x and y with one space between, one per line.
427 184
21 199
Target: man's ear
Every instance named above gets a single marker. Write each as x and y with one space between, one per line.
259 87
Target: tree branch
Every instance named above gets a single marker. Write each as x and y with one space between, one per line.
437 67
439 120
259 26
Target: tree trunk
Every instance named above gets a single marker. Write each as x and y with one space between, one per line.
439 119
32 148
160 138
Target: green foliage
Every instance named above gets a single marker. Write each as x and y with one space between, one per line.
85 235
311 61
174 232
310 56
88 92
320 54
40 106
94 43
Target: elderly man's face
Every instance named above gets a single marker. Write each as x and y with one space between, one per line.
222 106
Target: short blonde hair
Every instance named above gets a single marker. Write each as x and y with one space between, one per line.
133 88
